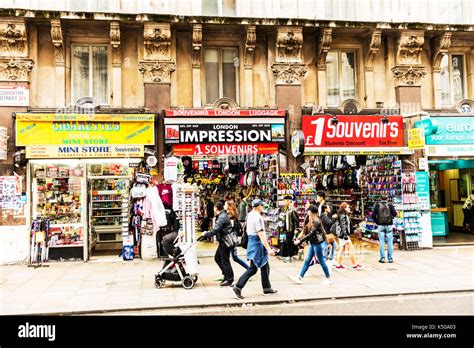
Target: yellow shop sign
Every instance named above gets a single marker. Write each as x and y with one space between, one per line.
80 129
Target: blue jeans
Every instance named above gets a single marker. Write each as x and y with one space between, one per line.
386 232
318 250
333 250
237 259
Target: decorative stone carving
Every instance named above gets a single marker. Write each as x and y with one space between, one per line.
13 39
409 75
410 45
374 42
324 46
15 69
250 39
289 44
440 46
197 45
157 40
157 71
58 42
115 43
288 74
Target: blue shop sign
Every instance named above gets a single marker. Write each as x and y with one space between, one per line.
448 130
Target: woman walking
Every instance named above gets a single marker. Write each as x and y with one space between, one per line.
314 233
344 222
231 209
327 220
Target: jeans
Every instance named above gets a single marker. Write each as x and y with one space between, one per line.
237 259
251 271
333 250
386 232
222 259
318 250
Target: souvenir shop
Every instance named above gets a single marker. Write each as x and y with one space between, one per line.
449 149
361 160
225 153
78 173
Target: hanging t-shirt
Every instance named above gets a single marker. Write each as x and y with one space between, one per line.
173 166
166 194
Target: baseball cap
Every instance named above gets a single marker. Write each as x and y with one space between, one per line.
256 202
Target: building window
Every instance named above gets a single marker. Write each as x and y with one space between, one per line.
341 77
225 8
221 69
452 79
90 72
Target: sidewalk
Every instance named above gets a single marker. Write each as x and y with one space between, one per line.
78 287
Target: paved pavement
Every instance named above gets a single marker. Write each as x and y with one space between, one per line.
110 285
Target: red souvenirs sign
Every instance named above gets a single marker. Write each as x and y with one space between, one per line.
224 149
352 131
225 113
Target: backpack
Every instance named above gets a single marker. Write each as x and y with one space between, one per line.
328 163
384 216
351 161
336 228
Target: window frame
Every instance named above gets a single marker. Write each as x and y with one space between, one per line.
452 102
339 71
221 77
91 86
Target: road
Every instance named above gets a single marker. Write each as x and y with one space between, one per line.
461 303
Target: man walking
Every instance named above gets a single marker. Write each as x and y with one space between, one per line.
291 222
383 216
257 251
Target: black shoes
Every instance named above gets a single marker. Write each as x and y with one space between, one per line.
237 293
382 260
226 283
390 261
269 292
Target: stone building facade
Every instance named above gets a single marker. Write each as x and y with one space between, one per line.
154 55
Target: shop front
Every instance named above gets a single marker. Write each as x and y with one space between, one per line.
79 171
450 152
362 160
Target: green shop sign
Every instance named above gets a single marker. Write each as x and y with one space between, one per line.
446 130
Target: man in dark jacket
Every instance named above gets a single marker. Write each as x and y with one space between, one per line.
383 217
222 227
291 222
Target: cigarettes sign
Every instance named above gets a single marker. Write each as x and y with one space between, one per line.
224 133
352 131
224 149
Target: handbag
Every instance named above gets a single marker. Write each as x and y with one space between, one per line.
244 240
230 240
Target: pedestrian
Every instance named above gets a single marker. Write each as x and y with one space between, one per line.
291 222
383 217
343 222
231 210
314 233
222 227
257 251
327 220
243 209
321 200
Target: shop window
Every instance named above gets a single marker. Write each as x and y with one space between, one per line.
452 79
90 72
221 73
341 77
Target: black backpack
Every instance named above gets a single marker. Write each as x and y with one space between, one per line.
384 215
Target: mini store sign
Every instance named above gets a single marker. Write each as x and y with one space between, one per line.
84 129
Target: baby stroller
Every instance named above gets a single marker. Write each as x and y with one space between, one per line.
175 269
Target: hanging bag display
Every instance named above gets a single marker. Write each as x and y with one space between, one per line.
230 240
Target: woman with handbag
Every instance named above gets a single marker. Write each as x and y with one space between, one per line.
231 209
314 233
227 241
331 239
344 229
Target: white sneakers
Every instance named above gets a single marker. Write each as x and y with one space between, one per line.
327 281
297 280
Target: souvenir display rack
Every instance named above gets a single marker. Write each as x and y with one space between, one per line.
411 236
268 177
188 214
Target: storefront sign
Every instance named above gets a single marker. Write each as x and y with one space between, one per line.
84 151
357 151
79 129
416 138
11 95
352 132
450 150
448 130
3 143
423 190
224 113
297 143
224 133
224 149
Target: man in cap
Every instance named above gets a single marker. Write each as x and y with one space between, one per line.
257 251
